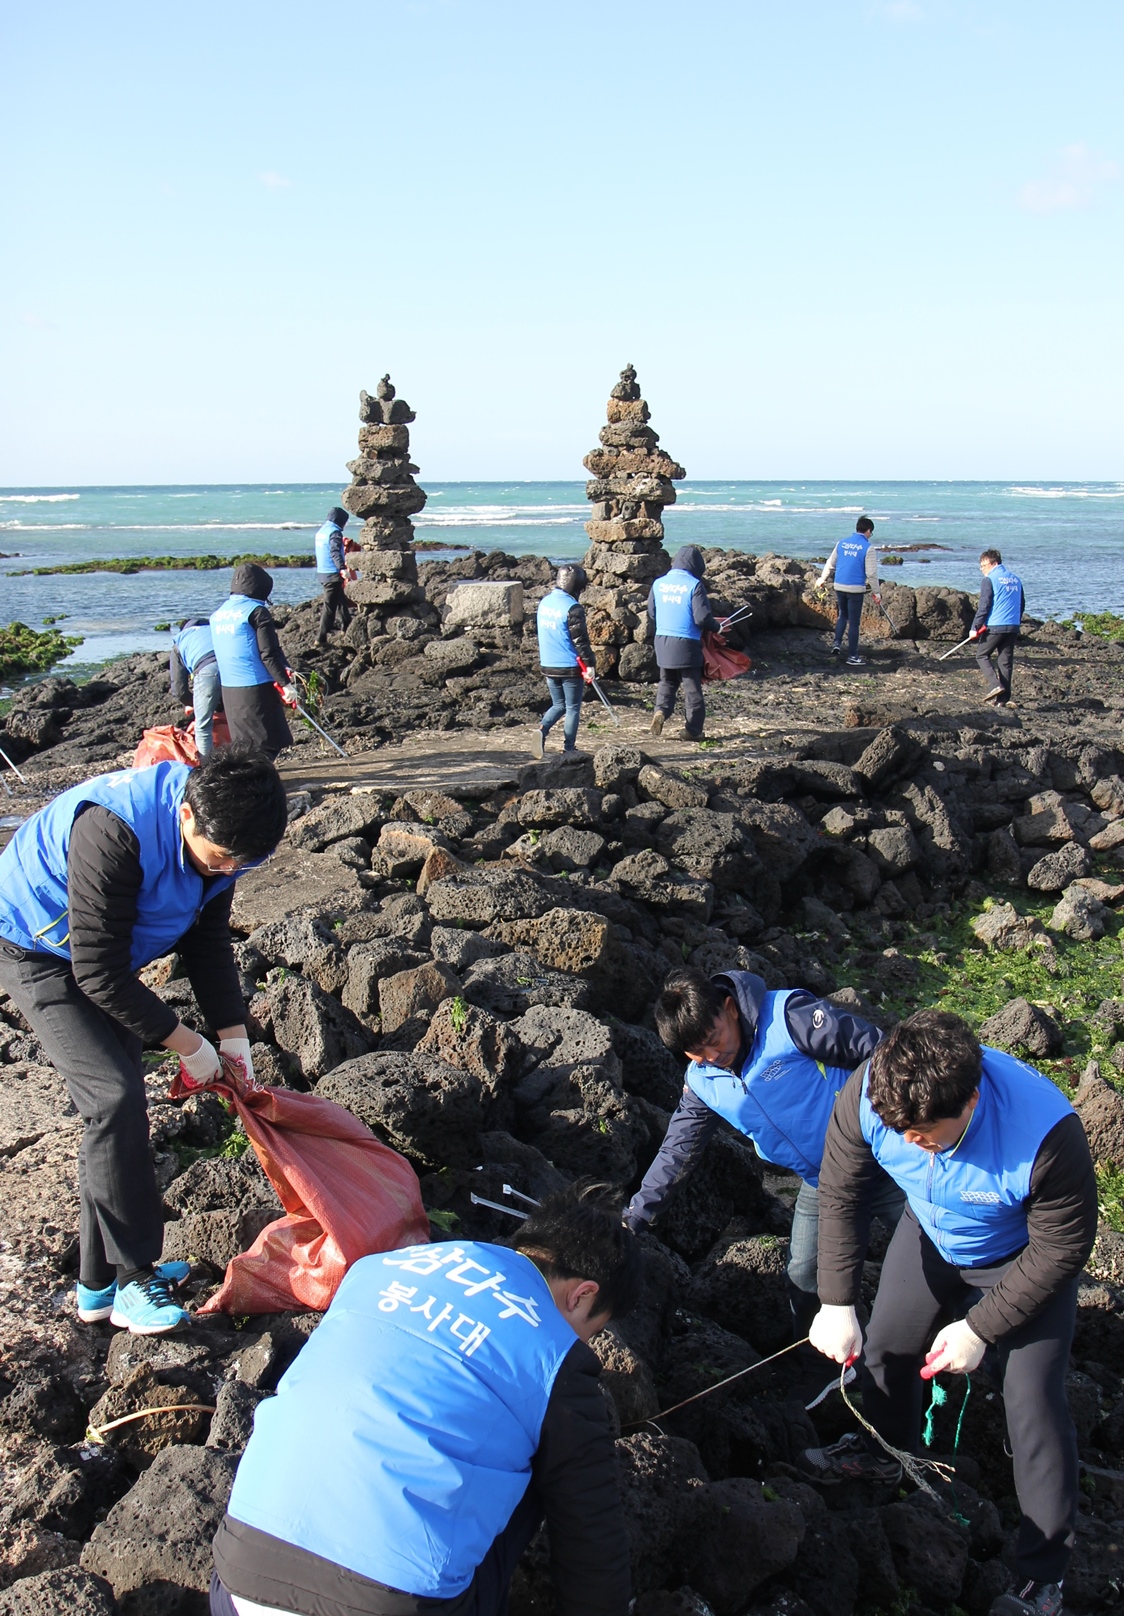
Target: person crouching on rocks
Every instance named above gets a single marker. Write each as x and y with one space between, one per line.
194 677
256 683
678 614
770 1064
563 640
446 1404
107 877
1002 1217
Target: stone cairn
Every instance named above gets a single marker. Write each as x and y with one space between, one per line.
632 481
384 493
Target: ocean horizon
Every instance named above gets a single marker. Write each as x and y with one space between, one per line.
1065 539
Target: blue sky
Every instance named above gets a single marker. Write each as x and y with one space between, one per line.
837 238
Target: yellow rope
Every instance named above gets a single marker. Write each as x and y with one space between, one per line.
912 1466
96 1433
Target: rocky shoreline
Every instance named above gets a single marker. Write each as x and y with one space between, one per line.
468 966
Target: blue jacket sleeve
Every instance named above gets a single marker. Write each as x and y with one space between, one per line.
688 1133
826 1033
984 607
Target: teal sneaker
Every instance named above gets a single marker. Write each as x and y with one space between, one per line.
146 1308
94 1307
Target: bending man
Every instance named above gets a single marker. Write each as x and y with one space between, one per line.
445 1404
106 878
1001 1219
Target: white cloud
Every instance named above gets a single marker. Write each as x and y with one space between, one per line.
274 181
1072 181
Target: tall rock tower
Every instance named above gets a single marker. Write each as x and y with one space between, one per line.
384 492
632 481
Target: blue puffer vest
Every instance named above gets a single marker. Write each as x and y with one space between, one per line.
673 594
781 1099
236 643
556 646
324 537
971 1201
193 642
1006 599
850 562
33 885
400 1441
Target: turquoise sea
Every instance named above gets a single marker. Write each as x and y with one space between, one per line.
1066 540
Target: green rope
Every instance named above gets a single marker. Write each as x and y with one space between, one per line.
937 1400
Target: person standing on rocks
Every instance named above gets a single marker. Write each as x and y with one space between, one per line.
446 1403
995 627
679 614
854 565
256 682
331 569
1001 1219
107 877
194 677
770 1064
563 646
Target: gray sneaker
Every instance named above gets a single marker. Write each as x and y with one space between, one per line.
656 726
995 695
849 1459
538 745
1032 1599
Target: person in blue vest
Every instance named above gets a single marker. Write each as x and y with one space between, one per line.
194 677
1001 1218
854 566
678 615
771 1065
256 682
995 627
331 569
563 640
447 1402
107 877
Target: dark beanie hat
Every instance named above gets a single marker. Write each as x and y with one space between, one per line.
338 515
250 579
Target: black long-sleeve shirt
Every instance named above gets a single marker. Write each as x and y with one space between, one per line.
1061 1219
574 1476
103 873
269 646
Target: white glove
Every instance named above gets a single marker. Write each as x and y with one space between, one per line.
203 1066
836 1333
238 1049
956 1350
289 695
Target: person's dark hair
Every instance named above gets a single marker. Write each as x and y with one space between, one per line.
577 1233
686 1009
338 515
993 556
572 579
864 525
925 1070
238 801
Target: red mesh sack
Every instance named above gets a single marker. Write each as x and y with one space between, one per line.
345 1195
166 744
719 662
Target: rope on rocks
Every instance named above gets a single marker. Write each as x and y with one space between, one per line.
638 1425
937 1400
96 1433
913 1467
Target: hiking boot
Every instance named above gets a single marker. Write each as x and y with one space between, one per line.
145 1307
538 745
849 1459
95 1306
856 662
995 695
656 726
1032 1599
819 1397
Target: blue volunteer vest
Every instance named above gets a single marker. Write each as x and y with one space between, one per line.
324 537
556 646
850 561
33 884
193 642
971 1201
673 595
400 1441
781 1099
236 644
1006 599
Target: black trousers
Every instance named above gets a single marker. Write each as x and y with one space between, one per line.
121 1223
918 1289
1000 644
335 600
694 707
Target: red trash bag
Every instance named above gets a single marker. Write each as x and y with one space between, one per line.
719 662
165 744
345 1195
